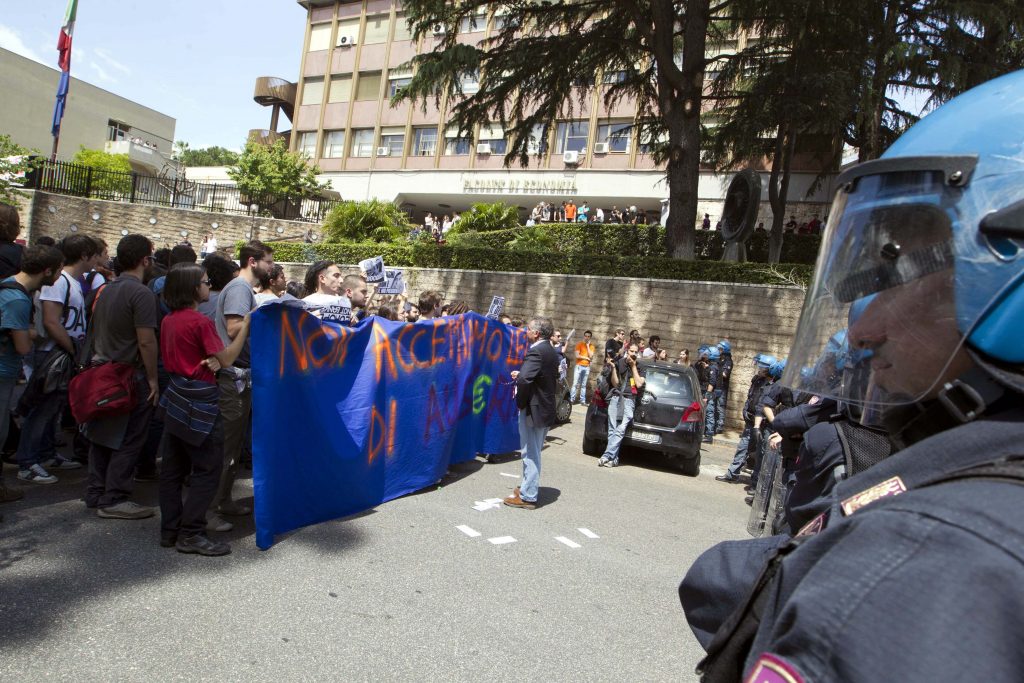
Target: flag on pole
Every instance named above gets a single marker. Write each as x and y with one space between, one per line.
64 62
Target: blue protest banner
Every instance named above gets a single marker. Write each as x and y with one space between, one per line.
345 418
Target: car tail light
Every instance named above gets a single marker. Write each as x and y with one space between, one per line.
692 413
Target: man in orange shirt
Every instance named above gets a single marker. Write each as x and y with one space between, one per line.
584 354
570 212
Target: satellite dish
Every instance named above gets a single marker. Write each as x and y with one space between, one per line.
741 205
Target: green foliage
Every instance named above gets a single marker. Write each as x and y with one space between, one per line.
431 255
487 218
358 221
208 156
532 238
112 173
13 163
273 171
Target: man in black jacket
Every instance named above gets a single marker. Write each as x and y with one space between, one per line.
535 397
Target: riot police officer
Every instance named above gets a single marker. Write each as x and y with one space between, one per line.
711 387
725 374
762 362
914 572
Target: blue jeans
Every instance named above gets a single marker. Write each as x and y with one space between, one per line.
741 451
579 383
711 418
37 432
616 431
720 397
532 440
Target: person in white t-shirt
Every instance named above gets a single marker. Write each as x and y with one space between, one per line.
63 323
324 284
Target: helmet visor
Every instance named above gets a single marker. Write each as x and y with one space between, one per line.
885 274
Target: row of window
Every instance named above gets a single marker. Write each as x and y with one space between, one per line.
379 25
570 136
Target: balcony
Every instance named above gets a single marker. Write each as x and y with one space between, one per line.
264 136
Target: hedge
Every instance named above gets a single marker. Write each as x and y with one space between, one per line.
588 262
649 240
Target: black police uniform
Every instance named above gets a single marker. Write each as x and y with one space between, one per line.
913 573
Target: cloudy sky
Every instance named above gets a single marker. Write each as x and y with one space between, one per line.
194 60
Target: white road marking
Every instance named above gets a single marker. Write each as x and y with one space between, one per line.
500 540
588 533
506 474
568 542
472 533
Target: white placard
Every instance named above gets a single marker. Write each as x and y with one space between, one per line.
497 306
394 282
373 269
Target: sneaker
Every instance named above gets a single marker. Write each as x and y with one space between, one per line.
215 522
609 463
708 439
233 509
728 478
37 474
168 541
601 462
10 495
126 510
61 463
201 545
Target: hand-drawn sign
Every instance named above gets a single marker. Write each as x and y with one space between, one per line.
497 306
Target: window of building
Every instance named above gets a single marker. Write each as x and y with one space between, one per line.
470 82
313 90
334 144
503 18
571 136
307 144
538 141
348 28
454 145
368 86
341 89
494 136
362 142
610 77
403 31
473 24
319 37
583 81
117 131
377 27
397 79
617 136
647 145
424 141
394 140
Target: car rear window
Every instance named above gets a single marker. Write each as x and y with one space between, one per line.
667 384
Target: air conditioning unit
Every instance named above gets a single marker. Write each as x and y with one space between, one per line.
439 29
571 157
346 41
383 151
601 148
483 148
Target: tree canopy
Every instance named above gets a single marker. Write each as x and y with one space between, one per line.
14 164
207 156
273 171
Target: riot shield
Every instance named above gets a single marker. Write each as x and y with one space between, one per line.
771 462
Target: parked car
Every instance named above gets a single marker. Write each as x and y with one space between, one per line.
669 418
563 406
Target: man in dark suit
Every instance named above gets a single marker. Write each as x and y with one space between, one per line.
535 397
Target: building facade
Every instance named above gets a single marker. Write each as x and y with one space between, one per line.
355 56
93 118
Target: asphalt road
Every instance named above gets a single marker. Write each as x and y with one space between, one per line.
397 593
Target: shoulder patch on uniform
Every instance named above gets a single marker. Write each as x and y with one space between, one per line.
814 526
889 487
773 669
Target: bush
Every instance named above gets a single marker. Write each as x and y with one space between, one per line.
487 218
427 254
360 221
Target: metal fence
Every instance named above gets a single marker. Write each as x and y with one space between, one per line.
61 177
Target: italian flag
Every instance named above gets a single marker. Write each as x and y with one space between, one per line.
64 41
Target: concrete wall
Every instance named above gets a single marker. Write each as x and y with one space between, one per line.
754 318
59 215
29 91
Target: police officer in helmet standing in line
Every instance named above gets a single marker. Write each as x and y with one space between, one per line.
914 572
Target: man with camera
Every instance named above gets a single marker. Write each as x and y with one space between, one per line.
627 382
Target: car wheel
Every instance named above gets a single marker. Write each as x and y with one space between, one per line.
592 447
689 466
563 410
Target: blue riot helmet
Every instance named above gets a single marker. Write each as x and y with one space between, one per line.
713 354
924 249
724 346
702 350
764 360
777 368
